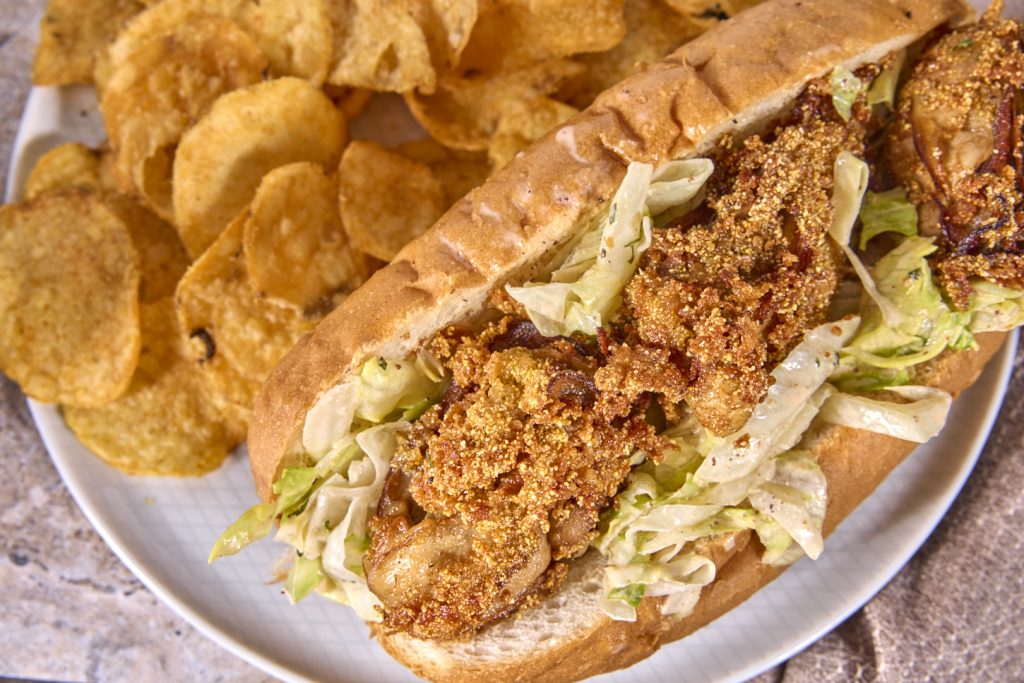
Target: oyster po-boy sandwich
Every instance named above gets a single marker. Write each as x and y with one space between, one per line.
664 352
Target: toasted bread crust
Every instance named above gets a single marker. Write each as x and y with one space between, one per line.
730 79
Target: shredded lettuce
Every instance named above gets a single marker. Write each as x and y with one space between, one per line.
918 421
676 188
292 489
926 324
381 387
883 88
330 418
886 212
994 307
304 577
561 308
845 88
585 292
254 524
580 259
778 421
324 508
795 498
389 385
851 181
854 376
333 528
707 486
681 578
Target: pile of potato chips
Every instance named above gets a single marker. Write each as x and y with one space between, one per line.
150 286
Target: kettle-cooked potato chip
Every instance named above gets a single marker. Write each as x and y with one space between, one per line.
708 13
246 134
386 199
71 165
519 126
516 33
295 246
380 46
350 101
162 256
233 333
653 30
448 25
164 424
465 112
69 310
164 83
72 33
295 36
159 18
457 170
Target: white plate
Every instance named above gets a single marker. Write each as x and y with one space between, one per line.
164 528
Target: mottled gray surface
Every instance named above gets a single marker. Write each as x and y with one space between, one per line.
73 612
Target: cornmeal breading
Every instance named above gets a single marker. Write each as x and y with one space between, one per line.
735 290
956 147
518 467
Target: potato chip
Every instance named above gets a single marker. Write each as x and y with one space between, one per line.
163 84
516 33
448 25
349 101
234 334
707 14
380 46
386 199
164 424
247 133
465 112
458 171
108 181
653 30
72 32
295 36
70 165
162 256
69 310
521 125
159 18
295 246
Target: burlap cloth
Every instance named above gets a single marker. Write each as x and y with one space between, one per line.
72 611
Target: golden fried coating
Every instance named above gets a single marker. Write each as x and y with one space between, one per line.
511 471
733 287
956 148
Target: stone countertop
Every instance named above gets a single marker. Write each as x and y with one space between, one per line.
73 612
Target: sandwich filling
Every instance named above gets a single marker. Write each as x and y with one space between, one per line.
647 400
